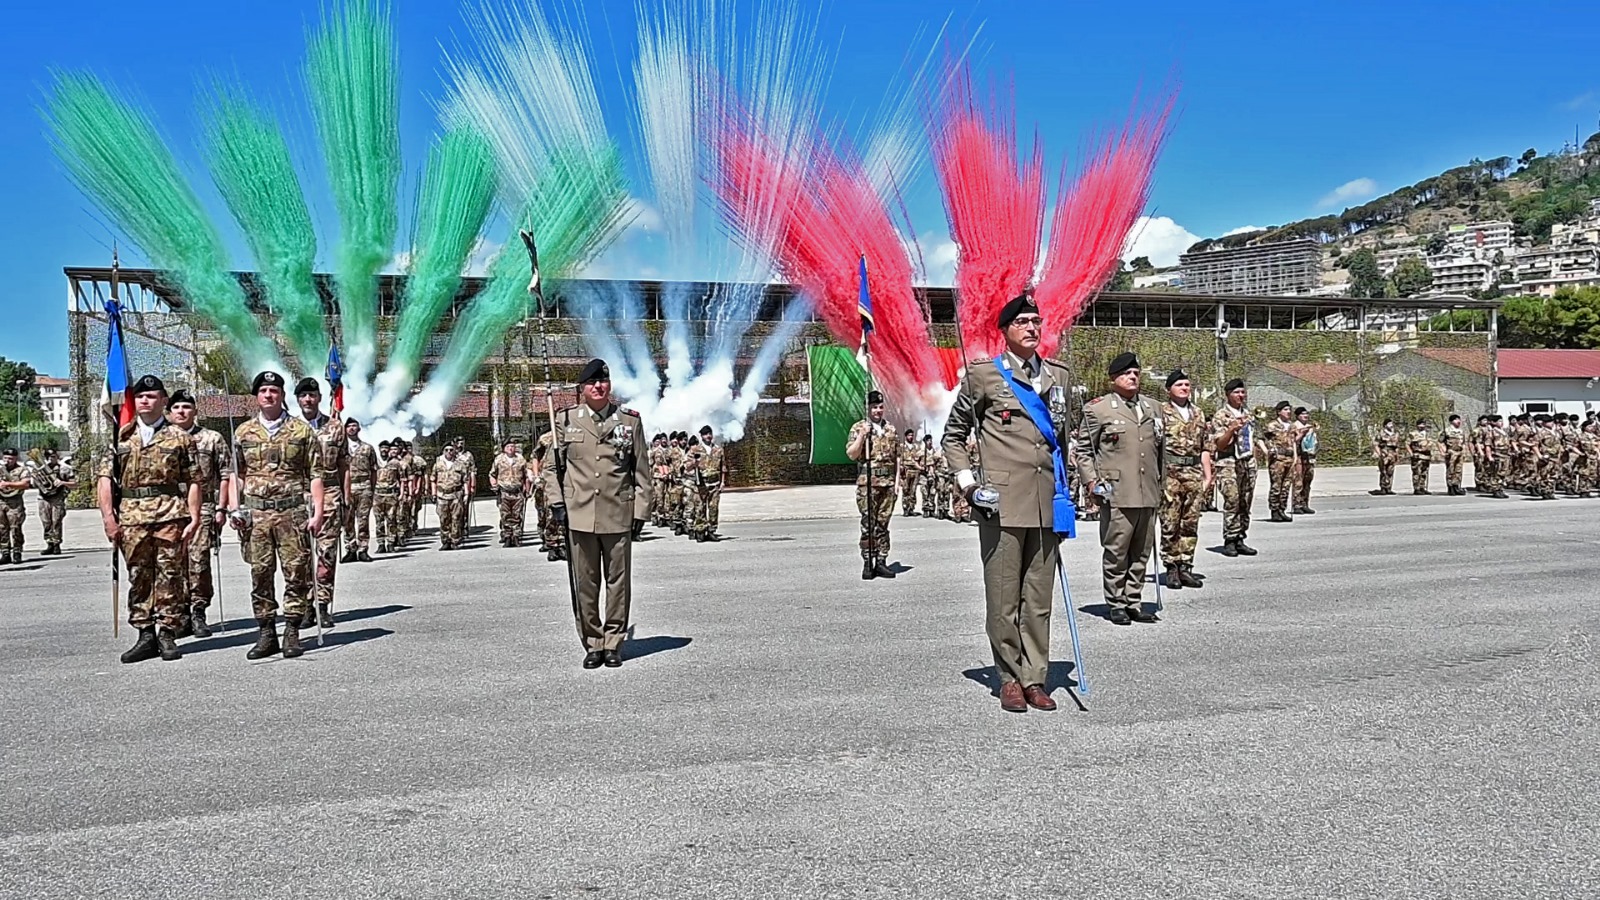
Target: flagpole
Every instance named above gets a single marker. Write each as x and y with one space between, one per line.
116 558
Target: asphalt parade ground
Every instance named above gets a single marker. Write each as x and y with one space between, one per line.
1397 698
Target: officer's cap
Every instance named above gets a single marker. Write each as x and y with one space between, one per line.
266 379
1175 376
180 396
1234 385
1016 306
874 398
1122 362
596 370
149 383
307 385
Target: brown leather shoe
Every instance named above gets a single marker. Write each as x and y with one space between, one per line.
1011 699
1037 698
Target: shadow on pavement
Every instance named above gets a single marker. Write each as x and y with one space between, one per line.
660 643
1059 677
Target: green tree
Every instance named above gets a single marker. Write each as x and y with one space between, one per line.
218 368
1120 280
1142 264
1436 244
1411 276
1528 156
1366 281
31 409
1569 320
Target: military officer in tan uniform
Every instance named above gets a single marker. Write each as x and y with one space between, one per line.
210 461
1120 459
364 464
334 450
603 494
1018 537
872 445
1233 443
149 503
449 483
710 465
508 478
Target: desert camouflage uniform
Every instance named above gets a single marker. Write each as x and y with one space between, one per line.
335 453
363 470
1588 462
1235 470
419 491
1183 486
153 511
387 508
707 462
1570 454
911 474
1420 446
1497 458
660 475
276 472
1387 444
210 462
449 489
551 533
939 484
13 512
49 479
879 467
508 476
1524 439
676 459
1547 447
1280 438
1455 451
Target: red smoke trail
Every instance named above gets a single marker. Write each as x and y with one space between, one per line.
1094 216
996 210
828 216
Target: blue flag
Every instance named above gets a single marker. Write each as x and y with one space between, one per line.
865 304
335 375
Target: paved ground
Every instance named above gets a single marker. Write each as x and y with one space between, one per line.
1398 698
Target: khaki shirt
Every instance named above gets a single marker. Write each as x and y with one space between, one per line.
606 481
884 451
363 464
449 475
165 467
1016 459
281 466
1120 444
507 473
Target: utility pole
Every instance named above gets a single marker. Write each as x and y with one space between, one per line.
21 383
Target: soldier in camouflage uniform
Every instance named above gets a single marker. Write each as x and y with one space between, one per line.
1305 462
1547 457
677 457
508 478
449 495
710 466
387 487
552 532
911 474
659 472
419 488
872 445
1386 450
210 461
1185 481
1570 451
1234 461
1419 446
469 490
1525 456
939 482
278 462
1281 436
334 449
1589 460
149 502
1455 451
53 479
1496 457
364 464
14 483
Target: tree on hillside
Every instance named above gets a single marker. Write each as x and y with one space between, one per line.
1121 280
1142 264
30 408
1411 277
1436 244
1366 281
1528 156
1569 320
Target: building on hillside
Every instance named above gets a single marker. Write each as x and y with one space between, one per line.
1281 268
1584 232
1322 386
1389 260
55 396
1481 239
1459 274
1547 381
1547 269
1171 278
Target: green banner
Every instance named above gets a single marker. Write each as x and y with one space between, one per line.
838 397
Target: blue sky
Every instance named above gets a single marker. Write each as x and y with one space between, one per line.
1285 112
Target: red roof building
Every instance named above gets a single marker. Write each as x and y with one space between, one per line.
1549 364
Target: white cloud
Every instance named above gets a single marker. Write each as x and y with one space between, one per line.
1350 192
641 216
1583 101
483 253
1159 238
1242 229
939 256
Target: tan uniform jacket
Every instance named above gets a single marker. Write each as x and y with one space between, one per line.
363 464
153 478
280 466
1119 446
1016 458
607 469
508 473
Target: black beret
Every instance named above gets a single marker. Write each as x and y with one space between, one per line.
180 396
1175 376
383 444
1299 409
596 370
266 379
874 397
1016 306
1281 404
1122 362
1421 423
307 385
910 432
927 439
1233 385
1496 418
10 451
349 422
705 429
148 383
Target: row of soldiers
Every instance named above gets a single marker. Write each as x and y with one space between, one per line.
53 478
924 471
1539 454
687 472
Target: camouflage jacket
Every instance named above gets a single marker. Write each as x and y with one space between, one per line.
449 475
912 458
1185 437
17 473
706 463
163 470
1243 445
508 473
1420 443
885 450
1454 439
363 464
1281 438
1387 440
334 449
210 462
389 474
281 466
1548 445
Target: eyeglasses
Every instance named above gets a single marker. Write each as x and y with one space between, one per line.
1029 321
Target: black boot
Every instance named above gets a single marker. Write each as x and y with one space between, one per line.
1174 580
363 556
1244 549
1187 578
308 619
324 617
146 647
266 641
197 622
349 556
167 645
185 626
867 573
1230 548
291 640
881 569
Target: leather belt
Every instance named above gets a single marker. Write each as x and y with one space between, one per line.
511 492
150 492
447 495
278 505
1184 461
386 491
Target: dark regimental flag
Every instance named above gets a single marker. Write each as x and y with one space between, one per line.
865 303
116 401
335 376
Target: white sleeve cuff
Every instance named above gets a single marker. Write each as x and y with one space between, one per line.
964 479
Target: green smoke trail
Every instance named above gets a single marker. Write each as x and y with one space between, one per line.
113 152
353 75
458 189
574 211
252 169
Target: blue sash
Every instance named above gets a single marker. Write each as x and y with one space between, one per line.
1063 509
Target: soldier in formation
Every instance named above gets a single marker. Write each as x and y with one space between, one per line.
53 479
1233 443
277 466
1419 446
508 478
1386 450
210 462
1547 457
872 446
912 458
14 483
1306 461
1454 439
1186 479
937 483
149 499
364 464
660 475
386 497
1281 440
333 450
552 533
471 488
1120 458
709 466
449 487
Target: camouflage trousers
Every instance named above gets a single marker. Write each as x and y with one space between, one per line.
1419 472
197 576
1452 468
1302 484
908 493
1489 475
1386 463
960 510
278 539
875 520
1236 481
386 510
939 488
707 508
155 574
452 516
658 502
358 522
1280 472
328 547
1182 496
541 507
511 512
1523 467
1546 475
52 515
553 536
12 514
674 512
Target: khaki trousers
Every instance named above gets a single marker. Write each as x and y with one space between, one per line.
1019 567
597 558
1127 535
